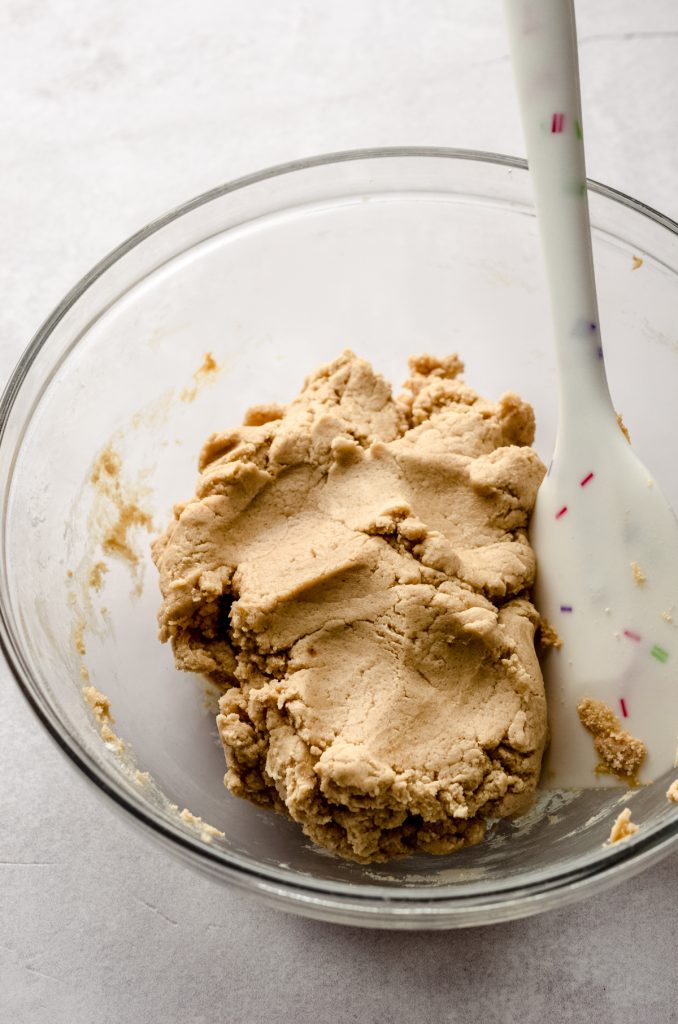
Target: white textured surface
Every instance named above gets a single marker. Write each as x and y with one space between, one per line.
111 113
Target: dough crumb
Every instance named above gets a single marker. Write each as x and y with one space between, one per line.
96 576
79 637
623 427
672 792
623 828
101 708
548 635
667 616
99 703
206 372
353 573
142 778
205 831
112 741
106 478
620 752
639 577
637 262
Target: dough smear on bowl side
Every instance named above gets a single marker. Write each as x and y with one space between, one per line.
354 572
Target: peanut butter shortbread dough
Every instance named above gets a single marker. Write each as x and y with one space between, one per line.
621 754
354 571
548 635
623 828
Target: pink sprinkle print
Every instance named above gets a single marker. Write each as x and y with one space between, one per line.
562 512
586 480
623 707
632 636
557 124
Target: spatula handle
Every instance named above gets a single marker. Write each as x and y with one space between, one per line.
543 42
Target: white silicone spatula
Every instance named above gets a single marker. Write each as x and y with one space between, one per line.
605 538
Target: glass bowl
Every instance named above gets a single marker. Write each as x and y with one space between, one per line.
389 252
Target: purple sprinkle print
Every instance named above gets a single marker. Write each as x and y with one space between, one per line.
584 328
566 607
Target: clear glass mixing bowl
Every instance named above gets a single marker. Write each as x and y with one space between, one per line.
389 252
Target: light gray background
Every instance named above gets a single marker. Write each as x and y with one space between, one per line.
111 112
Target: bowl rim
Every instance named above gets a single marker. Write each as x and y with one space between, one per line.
334 899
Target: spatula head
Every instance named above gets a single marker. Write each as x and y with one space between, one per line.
606 542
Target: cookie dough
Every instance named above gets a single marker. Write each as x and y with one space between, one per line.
623 828
548 636
354 571
101 709
621 754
